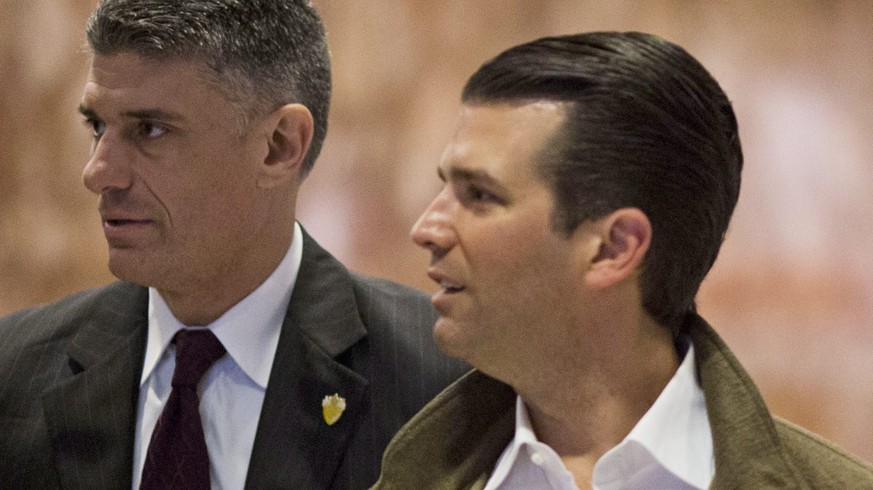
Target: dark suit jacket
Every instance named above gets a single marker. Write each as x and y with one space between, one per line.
457 439
69 382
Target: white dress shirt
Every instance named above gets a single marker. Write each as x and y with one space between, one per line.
669 448
232 391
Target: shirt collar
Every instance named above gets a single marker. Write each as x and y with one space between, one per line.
524 436
674 431
247 330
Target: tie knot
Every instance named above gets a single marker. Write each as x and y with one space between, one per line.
196 351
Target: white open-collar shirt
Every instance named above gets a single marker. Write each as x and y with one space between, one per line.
232 391
670 447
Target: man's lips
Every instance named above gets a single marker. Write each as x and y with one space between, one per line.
448 285
451 287
123 231
125 221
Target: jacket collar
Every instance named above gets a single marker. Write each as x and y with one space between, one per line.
740 422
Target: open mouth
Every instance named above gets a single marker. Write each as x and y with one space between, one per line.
123 222
450 287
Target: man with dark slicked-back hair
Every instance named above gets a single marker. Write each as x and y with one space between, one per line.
588 187
234 352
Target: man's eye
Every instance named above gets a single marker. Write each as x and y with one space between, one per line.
481 194
97 127
150 130
478 195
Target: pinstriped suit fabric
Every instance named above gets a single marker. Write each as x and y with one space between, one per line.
69 375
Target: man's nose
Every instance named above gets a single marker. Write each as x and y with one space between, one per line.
434 230
108 168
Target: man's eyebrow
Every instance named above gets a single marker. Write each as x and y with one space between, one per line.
158 114
468 174
87 112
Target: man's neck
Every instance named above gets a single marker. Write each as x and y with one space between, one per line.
582 416
206 299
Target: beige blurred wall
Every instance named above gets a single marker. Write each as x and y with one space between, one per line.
792 292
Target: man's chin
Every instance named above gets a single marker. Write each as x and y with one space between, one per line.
449 338
125 266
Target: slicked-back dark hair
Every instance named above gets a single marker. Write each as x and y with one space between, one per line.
646 127
261 54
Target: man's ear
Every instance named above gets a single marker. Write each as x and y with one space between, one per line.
289 137
625 237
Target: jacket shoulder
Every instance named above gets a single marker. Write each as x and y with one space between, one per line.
53 321
34 358
373 287
821 463
399 322
460 435
393 309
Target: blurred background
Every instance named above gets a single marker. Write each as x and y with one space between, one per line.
792 291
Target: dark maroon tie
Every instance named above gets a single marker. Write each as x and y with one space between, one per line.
177 457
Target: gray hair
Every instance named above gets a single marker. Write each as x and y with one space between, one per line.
260 54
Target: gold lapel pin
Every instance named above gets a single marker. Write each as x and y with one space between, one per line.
332 408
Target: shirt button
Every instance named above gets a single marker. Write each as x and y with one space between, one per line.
537 459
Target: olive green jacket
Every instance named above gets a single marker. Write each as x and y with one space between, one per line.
455 441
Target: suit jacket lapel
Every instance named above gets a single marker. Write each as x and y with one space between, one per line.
294 447
90 416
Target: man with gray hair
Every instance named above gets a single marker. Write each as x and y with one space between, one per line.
234 352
